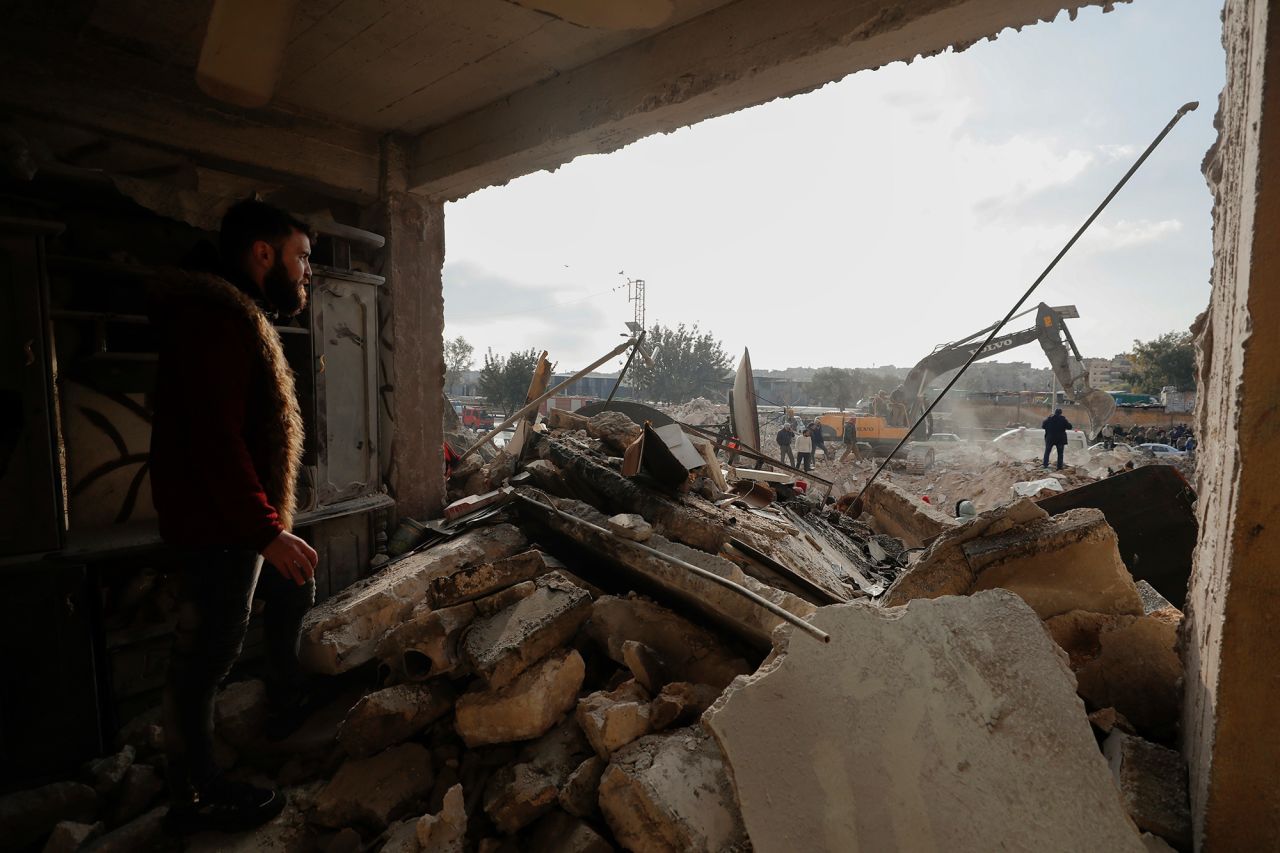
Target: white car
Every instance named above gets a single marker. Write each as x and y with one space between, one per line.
1102 446
1161 449
1032 437
945 438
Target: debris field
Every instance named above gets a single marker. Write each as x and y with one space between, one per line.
578 660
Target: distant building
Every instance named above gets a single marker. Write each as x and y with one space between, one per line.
1109 373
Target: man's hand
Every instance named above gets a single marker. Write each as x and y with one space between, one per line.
292 558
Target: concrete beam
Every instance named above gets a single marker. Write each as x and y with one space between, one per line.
1230 636
740 55
131 97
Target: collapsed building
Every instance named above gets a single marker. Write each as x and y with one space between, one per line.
558 674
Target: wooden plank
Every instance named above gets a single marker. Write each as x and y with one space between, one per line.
130 97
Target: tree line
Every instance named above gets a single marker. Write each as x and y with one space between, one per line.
686 362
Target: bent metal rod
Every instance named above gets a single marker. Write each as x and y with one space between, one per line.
995 330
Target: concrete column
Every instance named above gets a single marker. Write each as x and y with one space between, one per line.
411 328
1231 634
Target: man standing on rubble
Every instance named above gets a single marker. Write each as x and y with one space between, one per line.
1055 435
850 440
785 435
225 448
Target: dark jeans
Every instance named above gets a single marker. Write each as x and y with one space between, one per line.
805 461
216 591
1049 446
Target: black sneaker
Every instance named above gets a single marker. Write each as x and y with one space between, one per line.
225 807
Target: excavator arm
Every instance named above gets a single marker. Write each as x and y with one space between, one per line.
1049 330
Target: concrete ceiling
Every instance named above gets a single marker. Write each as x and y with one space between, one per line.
444 97
389 65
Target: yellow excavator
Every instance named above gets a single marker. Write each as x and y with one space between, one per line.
883 429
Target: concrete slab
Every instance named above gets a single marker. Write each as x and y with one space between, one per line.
951 724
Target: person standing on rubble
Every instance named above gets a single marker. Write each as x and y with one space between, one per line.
1055 435
225 450
785 436
850 440
819 440
804 451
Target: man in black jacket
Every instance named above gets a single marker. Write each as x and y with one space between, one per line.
1055 435
784 445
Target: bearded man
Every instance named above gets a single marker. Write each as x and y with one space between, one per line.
225 448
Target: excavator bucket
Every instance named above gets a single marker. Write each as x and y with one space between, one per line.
1100 405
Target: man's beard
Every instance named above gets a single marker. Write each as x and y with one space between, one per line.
287 297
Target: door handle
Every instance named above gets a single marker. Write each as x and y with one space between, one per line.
321 370
27 348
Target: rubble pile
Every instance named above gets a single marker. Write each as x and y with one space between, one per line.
697 412
574 659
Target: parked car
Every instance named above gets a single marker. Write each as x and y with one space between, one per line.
1034 437
945 438
1161 449
1102 446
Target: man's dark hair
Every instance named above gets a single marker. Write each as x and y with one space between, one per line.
248 221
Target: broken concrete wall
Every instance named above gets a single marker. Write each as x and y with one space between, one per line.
950 724
904 515
1231 642
342 632
1067 562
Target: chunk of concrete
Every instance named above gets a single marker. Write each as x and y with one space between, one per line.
681 702
611 720
1070 562
1153 786
1129 663
565 419
446 831
240 712
902 514
628 525
28 816
501 646
521 792
672 792
428 644
69 836
374 791
527 707
562 833
473 582
342 632
106 773
689 652
646 665
948 724
387 717
141 833
943 568
580 793
138 791
402 837
615 429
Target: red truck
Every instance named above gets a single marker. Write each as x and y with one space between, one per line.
476 418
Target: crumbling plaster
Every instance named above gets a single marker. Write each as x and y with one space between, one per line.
1230 641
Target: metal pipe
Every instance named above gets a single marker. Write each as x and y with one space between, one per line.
635 349
759 600
551 392
995 330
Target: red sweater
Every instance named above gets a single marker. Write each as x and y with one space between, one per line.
206 452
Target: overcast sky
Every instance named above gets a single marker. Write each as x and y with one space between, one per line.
863 223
